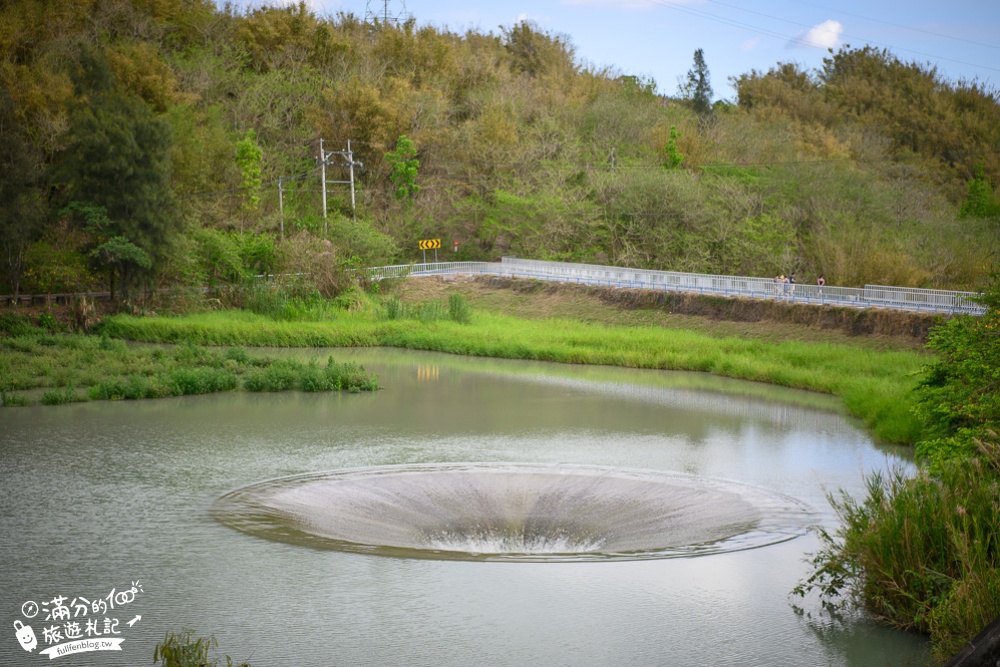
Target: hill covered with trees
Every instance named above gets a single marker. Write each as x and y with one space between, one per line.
170 142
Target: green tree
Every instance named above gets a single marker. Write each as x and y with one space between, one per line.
697 89
21 213
121 258
535 52
981 202
249 157
118 162
114 253
404 165
959 400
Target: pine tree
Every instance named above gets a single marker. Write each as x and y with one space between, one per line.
698 88
119 162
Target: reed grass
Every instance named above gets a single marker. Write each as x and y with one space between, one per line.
922 553
183 649
290 303
457 310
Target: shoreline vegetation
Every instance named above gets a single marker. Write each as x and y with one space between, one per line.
874 384
919 553
41 365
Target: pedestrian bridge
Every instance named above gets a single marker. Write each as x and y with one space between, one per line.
869 296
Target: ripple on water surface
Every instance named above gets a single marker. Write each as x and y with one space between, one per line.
513 512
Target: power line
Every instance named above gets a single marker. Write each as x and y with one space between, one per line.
233 191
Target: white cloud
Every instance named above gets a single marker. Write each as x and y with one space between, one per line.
750 44
826 35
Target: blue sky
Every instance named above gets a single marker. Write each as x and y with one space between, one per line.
657 38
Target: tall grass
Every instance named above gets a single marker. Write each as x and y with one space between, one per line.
288 374
10 399
184 650
60 396
920 553
457 310
288 302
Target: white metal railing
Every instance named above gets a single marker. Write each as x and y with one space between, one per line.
869 296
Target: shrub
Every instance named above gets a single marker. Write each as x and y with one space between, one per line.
48 322
10 399
350 299
12 324
238 354
278 376
313 378
349 376
204 380
60 396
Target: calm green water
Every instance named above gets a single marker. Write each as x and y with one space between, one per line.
98 496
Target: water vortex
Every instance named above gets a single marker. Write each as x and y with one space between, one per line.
513 512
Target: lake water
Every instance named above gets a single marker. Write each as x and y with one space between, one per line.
113 502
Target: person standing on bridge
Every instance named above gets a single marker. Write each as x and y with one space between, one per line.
791 283
821 281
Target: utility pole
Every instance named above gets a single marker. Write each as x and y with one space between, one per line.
384 14
322 161
281 208
349 162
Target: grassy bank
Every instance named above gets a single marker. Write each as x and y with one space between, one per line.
874 384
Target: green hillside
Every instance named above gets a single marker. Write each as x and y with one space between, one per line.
168 142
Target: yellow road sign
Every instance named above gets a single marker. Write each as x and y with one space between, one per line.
429 244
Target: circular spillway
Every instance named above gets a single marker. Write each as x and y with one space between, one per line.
513 512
